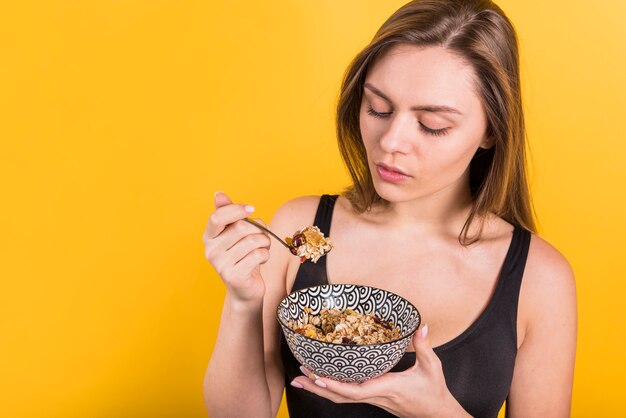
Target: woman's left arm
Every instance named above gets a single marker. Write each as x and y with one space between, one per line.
544 367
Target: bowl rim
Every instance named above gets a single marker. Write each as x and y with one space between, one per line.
402 337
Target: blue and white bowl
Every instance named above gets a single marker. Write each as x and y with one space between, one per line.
345 362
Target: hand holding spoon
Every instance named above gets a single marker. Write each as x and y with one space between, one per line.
261 227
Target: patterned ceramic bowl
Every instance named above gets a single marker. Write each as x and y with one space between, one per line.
345 362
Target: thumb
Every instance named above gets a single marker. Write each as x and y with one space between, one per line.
221 199
424 354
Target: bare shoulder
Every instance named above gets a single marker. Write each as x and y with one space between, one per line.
295 214
548 292
546 268
547 272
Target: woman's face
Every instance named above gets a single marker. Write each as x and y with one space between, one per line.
421 122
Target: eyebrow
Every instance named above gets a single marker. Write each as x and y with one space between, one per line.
425 108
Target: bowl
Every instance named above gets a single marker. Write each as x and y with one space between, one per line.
348 362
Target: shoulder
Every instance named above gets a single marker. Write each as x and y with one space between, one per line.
296 206
295 214
548 292
547 271
545 267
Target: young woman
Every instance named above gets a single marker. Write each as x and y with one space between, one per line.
430 126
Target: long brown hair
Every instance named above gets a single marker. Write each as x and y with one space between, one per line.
479 32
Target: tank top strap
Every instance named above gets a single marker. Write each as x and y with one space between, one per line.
314 274
515 261
324 213
507 298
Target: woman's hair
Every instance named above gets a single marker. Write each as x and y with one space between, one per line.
479 32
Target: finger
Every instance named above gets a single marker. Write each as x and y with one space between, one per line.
308 373
311 385
304 383
240 230
233 243
252 260
425 357
245 245
224 216
370 391
269 240
374 391
222 199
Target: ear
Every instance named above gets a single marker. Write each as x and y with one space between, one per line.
487 142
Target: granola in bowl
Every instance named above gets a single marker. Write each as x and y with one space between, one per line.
345 327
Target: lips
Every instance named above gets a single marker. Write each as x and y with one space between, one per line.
391 174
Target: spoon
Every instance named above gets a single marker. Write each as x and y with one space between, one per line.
261 227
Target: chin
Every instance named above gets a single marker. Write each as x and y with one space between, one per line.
392 192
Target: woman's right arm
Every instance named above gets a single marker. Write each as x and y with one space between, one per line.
244 376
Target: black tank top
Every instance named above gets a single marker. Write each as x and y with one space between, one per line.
477 365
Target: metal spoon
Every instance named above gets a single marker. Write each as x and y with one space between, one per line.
261 227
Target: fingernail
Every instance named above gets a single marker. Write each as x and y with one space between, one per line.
320 383
424 331
216 193
296 385
304 371
249 208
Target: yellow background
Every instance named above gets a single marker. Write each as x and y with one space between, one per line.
119 119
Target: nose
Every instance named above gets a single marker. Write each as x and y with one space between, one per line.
399 134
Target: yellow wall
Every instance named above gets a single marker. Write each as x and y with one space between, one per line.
119 119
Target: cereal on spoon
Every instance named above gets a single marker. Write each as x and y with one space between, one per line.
309 244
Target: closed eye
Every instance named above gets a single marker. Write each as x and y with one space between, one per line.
380 115
423 128
434 132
